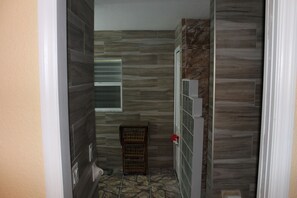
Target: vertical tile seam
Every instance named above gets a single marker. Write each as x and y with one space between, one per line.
72 131
214 92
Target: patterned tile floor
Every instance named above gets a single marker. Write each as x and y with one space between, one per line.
159 183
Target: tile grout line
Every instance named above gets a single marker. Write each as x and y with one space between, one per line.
178 184
149 183
121 186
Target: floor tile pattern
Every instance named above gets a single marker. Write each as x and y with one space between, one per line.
159 183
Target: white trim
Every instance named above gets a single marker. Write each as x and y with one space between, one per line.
105 84
108 110
54 99
278 99
177 116
108 60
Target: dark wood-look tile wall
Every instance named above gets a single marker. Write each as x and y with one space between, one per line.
147 58
209 180
192 35
80 32
237 70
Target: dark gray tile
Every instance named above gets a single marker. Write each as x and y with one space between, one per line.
89 40
80 88
75 38
80 102
83 10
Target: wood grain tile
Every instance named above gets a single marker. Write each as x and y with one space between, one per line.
233 147
235 94
147 92
237 117
89 40
235 91
80 102
81 92
80 73
140 59
139 34
243 38
75 38
239 171
166 34
107 36
84 11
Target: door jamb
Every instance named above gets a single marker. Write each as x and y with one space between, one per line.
278 107
177 49
54 97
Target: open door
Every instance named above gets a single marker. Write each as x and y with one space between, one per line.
177 102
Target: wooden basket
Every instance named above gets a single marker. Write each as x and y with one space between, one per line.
133 138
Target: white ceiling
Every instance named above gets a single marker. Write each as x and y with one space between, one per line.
147 14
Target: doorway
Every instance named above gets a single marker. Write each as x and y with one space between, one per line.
51 81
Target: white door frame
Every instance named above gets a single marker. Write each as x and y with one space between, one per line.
54 99
278 99
177 71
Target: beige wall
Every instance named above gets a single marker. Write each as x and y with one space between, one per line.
293 189
21 160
